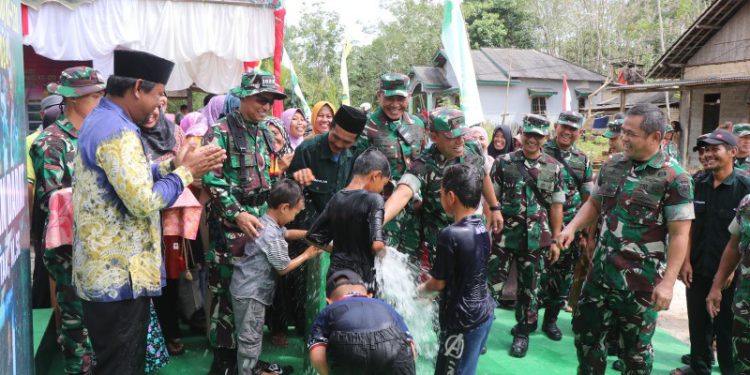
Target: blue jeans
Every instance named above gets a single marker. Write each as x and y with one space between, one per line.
459 351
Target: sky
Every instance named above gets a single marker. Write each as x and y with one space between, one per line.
354 15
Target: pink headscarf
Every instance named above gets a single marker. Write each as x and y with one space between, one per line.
189 122
286 117
208 116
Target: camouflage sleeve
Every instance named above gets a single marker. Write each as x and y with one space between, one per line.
588 178
596 185
735 227
218 188
425 139
49 167
414 183
558 195
497 167
678 199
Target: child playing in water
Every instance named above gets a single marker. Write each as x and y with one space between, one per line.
255 273
460 274
353 218
358 334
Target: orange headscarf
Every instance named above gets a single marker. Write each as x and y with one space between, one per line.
314 118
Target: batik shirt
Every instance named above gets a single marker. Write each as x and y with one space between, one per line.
638 200
527 225
581 166
117 196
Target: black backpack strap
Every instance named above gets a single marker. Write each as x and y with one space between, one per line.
576 179
237 132
531 183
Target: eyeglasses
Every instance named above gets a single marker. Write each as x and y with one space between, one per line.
263 100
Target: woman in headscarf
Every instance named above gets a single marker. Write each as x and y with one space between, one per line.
295 126
322 116
282 152
188 122
479 135
211 112
502 141
162 140
231 103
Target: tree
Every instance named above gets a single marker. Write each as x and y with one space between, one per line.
499 23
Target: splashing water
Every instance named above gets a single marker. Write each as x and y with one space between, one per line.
397 285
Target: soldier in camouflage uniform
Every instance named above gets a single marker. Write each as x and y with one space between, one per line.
238 195
421 183
52 155
670 148
529 185
737 253
614 128
401 137
577 173
742 160
642 196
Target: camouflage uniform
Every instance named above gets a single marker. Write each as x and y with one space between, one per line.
637 202
401 141
671 149
526 234
229 198
52 155
424 178
741 130
741 304
558 278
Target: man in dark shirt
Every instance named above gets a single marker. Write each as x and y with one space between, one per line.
717 195
357 334
353 218
460 272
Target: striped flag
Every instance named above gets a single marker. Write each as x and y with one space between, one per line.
345 99
286 62
456 44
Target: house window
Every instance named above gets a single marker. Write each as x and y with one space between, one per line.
581 103
711 112
539 105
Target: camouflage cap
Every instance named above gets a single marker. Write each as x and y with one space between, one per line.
535 124
77 81
670 129
571 118
394 84
614 128
256 82
450 122
741 130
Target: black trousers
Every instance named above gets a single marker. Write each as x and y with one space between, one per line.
166 307
703 329
118 333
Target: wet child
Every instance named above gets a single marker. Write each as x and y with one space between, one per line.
255 273
358 334
353 218
460 274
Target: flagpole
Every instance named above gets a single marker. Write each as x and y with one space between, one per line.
507 92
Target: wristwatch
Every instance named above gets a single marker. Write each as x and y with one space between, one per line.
495 207
554 242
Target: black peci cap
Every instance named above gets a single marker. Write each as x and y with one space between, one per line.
350 119
142 65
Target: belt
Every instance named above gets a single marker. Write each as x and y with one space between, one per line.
255 200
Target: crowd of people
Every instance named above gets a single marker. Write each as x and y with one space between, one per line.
226 206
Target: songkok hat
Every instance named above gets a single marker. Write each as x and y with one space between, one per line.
142 65
350 119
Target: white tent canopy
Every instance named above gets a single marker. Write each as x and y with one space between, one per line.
208 41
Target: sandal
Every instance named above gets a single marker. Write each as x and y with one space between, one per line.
175 347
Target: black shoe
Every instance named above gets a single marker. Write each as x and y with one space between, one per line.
552 331
520 346
507 304
613 348
618 365
224 362
483 351
685 359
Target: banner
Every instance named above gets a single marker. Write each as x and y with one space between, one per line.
286 62
16 357
279 14
457 51
345 99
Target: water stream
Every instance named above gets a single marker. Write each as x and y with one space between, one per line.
397 285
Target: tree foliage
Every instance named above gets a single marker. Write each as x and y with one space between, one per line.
499 23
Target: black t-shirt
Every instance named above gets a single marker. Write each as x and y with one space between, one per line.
463 250
714 210
353 219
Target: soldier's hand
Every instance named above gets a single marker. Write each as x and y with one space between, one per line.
565 238
661 297
199 160
496 221
304 176
686 273
249 224
713 302
554 254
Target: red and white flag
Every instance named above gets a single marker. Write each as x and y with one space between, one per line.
566 95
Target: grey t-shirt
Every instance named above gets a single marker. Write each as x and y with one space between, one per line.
255 273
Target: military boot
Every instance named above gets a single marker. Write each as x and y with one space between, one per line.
224 363
549 326
520 344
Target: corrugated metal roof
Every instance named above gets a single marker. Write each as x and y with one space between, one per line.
676 85
486 69
529 63
656 98
700 32
431 77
